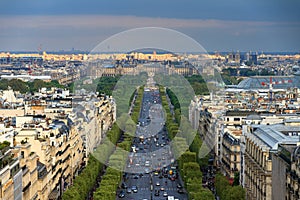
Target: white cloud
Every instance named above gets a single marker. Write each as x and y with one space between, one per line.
93 21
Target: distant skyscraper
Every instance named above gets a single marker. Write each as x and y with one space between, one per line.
253 58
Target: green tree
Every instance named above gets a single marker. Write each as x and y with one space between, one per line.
18 85
236 180
71 195
187 157
188 166
37 84
3 84
191 170
203 194
235 192
221 184
193 184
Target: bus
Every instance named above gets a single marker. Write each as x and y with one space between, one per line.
170 197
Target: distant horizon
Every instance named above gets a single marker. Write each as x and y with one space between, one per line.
60 51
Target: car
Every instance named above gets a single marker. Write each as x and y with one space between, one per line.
180 191
157 184
128 190
179 186
135 176
165 194
162 189
124 185
156 193
134 189
121 194
147 164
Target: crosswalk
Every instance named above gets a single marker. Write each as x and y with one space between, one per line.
166 189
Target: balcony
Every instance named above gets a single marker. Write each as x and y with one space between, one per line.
26 187
6 160
42 171
4 147
294 175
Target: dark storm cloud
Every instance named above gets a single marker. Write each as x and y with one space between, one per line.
216 24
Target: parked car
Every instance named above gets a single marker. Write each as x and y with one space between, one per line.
124 185
128 190
134 189
122 194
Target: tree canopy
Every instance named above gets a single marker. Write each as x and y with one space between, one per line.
24 87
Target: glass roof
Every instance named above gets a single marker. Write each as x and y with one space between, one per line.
262 82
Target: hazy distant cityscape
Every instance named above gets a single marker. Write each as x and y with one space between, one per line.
252 127
149 100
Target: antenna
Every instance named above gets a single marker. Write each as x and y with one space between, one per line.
39 49
271 83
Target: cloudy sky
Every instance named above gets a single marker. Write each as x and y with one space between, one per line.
218 25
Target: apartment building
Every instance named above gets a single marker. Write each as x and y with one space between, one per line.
285 172
210 127
44 149
194 111
10 174
92 119
208 115
231 153
261 141
292 191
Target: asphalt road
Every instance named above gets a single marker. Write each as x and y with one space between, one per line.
151 166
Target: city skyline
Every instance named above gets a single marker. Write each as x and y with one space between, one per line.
216 25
